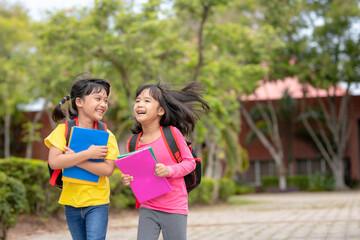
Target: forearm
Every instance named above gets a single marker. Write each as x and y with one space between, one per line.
105 168
181 169
68 160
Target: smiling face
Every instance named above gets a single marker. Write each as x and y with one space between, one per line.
93 106
146 109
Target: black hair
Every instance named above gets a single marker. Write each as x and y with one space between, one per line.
180 106
83 86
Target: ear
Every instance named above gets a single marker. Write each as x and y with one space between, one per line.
79 102
161 111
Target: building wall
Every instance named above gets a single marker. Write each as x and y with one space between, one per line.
304 152
40 151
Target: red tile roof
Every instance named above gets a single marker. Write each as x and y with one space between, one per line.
275 90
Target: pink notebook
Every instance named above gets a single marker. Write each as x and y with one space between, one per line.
141 165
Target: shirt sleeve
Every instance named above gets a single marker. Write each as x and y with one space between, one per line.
113 150
56 137
188 163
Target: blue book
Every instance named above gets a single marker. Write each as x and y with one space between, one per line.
80 140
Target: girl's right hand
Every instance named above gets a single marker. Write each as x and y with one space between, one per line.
97 152
126 179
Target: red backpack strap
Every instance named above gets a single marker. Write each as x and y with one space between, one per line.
133 142
171 142
54 177
99 125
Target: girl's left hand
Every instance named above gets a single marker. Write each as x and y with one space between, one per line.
161 170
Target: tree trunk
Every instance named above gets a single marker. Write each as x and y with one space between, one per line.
275 148
339 176
210 165
282 178
7 135
332 147
217 176
30 143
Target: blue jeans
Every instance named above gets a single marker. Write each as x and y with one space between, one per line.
87 223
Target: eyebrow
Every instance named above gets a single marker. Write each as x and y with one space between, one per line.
98 95
145 97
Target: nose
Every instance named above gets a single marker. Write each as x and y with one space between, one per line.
139 104
104 103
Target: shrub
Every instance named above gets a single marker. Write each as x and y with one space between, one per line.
12 202
269 181
121 196
42 198
243 189
299 181
226 188
321 182
203 193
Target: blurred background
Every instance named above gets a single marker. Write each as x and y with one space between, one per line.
282 80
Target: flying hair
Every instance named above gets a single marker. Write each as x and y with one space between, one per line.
182 107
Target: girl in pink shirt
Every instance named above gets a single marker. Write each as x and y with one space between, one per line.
157 106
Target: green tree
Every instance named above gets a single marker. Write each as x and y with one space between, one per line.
15 55
326 56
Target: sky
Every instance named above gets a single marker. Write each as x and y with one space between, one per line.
37 7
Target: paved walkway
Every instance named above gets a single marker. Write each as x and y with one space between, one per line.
312 216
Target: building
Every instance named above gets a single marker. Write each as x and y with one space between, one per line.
300 154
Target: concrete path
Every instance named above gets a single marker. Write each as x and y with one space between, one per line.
334 215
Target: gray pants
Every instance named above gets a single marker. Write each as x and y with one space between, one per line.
173 226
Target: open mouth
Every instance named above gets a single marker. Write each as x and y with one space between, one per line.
141 112
100 112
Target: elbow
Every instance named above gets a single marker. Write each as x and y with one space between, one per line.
109 171
52 165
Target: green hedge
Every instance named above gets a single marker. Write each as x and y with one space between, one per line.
321 182
203 193
243 189
12 202
226 188
299 181
42 198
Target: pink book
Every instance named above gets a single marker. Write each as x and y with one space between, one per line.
141 165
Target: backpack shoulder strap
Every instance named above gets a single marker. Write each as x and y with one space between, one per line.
100 125
68 125
71 123
171 143
133 142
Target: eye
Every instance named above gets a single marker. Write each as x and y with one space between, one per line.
137 100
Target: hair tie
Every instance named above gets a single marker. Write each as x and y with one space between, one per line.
66 98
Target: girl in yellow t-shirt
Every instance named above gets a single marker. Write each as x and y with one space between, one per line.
86 206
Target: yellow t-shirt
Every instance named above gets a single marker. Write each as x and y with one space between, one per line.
83 195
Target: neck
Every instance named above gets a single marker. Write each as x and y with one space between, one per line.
86 123
150 133
148 130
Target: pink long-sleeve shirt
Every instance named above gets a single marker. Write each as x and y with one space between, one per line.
175 201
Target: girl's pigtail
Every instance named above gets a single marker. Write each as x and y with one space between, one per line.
58 113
